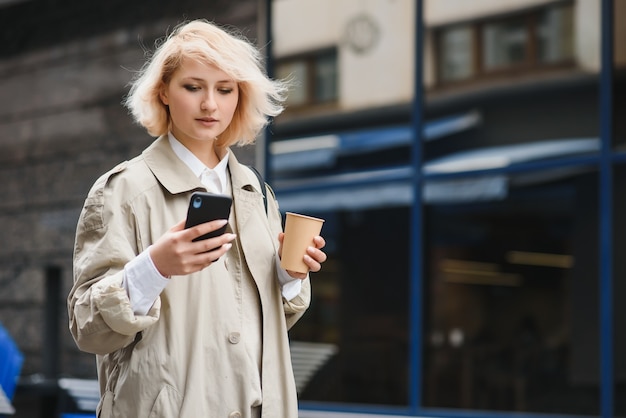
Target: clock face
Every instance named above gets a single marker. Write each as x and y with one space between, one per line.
362 33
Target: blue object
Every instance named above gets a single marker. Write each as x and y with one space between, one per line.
10 363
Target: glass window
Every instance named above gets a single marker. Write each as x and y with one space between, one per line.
326 78
505 44
511 299
556 34
355 336
297 72
532 41
314 78
457 53
511 261
526 88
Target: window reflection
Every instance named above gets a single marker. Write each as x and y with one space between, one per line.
457 53
326 78
360 310
556 34
313 75
504 44
511 266
298 72
536 40
511 312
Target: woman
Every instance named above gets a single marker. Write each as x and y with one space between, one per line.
185 328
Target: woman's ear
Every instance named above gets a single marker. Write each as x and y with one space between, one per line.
163 97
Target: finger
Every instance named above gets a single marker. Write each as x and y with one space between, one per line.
179 226
210 257
205 228
296 275
316 254
313 265
319 242
281 238
212 244
219 252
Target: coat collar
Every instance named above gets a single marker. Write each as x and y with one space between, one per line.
168 169
177 178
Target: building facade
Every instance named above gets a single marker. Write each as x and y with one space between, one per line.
473 217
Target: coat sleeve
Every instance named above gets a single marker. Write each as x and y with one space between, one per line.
294 308
101 318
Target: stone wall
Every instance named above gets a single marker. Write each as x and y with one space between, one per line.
62 125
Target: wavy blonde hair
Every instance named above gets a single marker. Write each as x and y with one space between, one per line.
259 96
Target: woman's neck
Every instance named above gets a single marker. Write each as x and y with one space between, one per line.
206 151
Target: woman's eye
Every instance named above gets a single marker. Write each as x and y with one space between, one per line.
191 87
225 90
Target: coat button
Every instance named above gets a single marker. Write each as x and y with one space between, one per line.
234 338
235 414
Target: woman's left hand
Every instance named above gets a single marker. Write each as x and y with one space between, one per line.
313 258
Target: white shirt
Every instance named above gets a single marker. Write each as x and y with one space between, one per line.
142 280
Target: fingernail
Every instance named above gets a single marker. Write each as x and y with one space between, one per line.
228 246
222 222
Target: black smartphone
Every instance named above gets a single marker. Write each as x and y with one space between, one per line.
205 207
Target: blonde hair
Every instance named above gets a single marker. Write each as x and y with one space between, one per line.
259 96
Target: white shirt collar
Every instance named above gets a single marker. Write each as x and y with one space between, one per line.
197 167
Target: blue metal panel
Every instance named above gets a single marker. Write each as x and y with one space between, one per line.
416 243
606 214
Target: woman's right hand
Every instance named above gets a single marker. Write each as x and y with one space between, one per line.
175 253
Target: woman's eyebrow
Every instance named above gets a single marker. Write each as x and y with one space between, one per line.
198 79
203 80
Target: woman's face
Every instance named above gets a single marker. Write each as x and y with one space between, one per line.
202 100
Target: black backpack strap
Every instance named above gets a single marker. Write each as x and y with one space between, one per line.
262 184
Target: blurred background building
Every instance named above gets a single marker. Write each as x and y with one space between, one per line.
473 217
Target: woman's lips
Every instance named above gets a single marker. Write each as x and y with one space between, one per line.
207 121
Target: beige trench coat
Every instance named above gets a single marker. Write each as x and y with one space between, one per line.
183 358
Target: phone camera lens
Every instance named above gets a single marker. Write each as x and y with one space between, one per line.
197 202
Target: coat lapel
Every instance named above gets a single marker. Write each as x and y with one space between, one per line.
168 169
246 192
257 241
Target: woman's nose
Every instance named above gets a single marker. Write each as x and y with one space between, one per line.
209 102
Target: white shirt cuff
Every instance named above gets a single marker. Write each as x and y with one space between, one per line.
290 287
143 282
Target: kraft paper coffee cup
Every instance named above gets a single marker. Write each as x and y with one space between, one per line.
299 233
